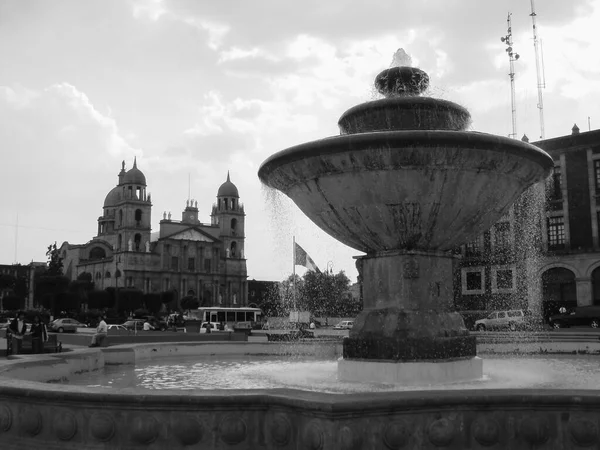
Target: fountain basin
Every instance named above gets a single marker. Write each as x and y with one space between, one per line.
429 190
56 416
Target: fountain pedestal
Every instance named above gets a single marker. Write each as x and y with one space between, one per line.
406 332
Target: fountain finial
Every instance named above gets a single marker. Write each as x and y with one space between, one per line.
401 79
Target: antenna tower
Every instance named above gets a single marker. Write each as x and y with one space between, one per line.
512 57
539 67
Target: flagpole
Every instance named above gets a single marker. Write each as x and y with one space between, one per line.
294 270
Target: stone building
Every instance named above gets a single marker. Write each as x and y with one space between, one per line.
204 260
542 258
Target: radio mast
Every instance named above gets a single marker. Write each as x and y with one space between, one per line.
512 57
539 67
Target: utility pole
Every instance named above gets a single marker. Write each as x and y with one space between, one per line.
539 67
512 57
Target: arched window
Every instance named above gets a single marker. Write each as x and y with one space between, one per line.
97 253
120 217
137 242
119 242
232 203
107 275
98 275
138 217
233 248
233 226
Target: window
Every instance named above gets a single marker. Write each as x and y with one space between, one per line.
137 242
138 217
504 279
107 275
502 235
474 247
501 315
207 265
191 263
167 284
233 248
233 226
515 314
120 217
556 232
556 188
174 262
473 280
597 174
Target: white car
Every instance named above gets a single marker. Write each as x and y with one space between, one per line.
214 327
117 327
344 325
512 319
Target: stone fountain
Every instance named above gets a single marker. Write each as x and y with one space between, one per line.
406 183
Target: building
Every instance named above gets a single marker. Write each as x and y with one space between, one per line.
541 258
204 260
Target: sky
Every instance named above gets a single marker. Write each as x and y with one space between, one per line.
196 88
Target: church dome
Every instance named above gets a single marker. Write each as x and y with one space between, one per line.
228 189
134 175
113 197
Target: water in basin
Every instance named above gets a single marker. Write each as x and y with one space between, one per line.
268 372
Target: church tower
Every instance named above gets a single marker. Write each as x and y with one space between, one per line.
126 220
229 214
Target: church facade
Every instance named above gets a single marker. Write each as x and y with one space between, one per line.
188 257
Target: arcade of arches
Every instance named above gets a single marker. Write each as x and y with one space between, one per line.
569 286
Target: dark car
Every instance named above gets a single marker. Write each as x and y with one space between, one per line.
588 316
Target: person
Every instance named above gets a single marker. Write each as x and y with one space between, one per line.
562 310
101 332
18 328
147 326
312 325
39 335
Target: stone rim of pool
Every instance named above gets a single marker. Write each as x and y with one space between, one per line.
63 416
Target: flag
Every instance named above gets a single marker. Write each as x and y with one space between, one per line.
301 258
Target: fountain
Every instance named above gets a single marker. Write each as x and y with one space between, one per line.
406 183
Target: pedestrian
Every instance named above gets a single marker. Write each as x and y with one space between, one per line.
39 335
147 326
18 328
562 310
101 332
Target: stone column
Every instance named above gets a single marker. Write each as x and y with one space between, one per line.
584 291
407 314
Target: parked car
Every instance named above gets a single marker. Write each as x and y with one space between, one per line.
214 327
134 324
588 316
65 325
344 325
117 327
513 319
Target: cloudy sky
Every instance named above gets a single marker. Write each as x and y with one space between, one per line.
195 88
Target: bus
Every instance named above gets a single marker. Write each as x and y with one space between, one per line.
227 316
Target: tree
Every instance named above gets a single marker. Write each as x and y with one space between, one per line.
153 303
189 302
130 299
99 300
55 262
11 302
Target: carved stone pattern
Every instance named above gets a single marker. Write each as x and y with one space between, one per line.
348 439
281 430
396 435
144 429
102 427
187 430
232 430
411 269
486 431
30 421
583 432
313 437
65 425
5 418
441 432
535 430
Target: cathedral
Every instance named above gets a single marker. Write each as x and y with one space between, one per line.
185 256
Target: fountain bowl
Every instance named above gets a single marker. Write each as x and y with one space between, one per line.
406 190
